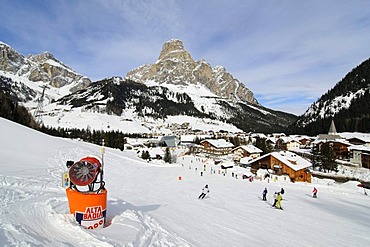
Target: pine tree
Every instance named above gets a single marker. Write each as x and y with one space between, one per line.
145 155
328 157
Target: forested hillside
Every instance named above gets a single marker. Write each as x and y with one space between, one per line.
348 103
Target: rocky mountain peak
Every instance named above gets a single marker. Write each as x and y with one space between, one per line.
40 68
43 57
10 60
174 49
176 66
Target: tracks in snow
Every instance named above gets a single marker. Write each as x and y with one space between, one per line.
34 211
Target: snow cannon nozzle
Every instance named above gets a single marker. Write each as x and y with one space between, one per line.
85 173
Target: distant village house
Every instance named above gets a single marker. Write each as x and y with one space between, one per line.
284 162
217 146
246 151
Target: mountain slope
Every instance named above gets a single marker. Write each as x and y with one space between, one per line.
148 206
43 68
155 103
347 103
175 86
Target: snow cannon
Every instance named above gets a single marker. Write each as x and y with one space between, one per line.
85 171
86 193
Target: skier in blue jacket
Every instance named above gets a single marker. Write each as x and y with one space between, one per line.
264 193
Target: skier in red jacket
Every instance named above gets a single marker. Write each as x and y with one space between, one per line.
314 192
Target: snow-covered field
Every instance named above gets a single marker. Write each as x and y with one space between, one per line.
149 206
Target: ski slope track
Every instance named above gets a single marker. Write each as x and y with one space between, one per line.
149 206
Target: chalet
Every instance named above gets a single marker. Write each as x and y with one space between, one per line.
360 154
216 146
246 151
287 143
245 161
278 135
284 163
169 141
305 141
339 146
358 140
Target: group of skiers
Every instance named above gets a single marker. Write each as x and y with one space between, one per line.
277 200
278 197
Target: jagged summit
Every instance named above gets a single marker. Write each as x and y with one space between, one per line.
176 66
42 57
44 68
174 49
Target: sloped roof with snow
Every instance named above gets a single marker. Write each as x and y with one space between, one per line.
365 148
287 139
170 141
365 137
290 159
219 143
250 148
245 160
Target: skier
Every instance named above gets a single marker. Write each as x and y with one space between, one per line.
314 192
282 191
275 199
264 193
278 201
205 191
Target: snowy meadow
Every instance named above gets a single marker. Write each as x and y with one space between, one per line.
148 205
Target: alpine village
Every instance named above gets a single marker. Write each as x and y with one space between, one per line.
178 106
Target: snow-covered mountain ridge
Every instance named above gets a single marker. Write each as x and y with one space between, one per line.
135 105
347 103
133 102
40 68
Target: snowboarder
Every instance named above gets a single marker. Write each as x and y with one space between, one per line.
264 193
205 191
278 201
314 192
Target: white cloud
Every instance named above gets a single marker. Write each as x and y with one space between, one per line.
277 48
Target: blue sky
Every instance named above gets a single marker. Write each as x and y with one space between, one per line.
287 52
